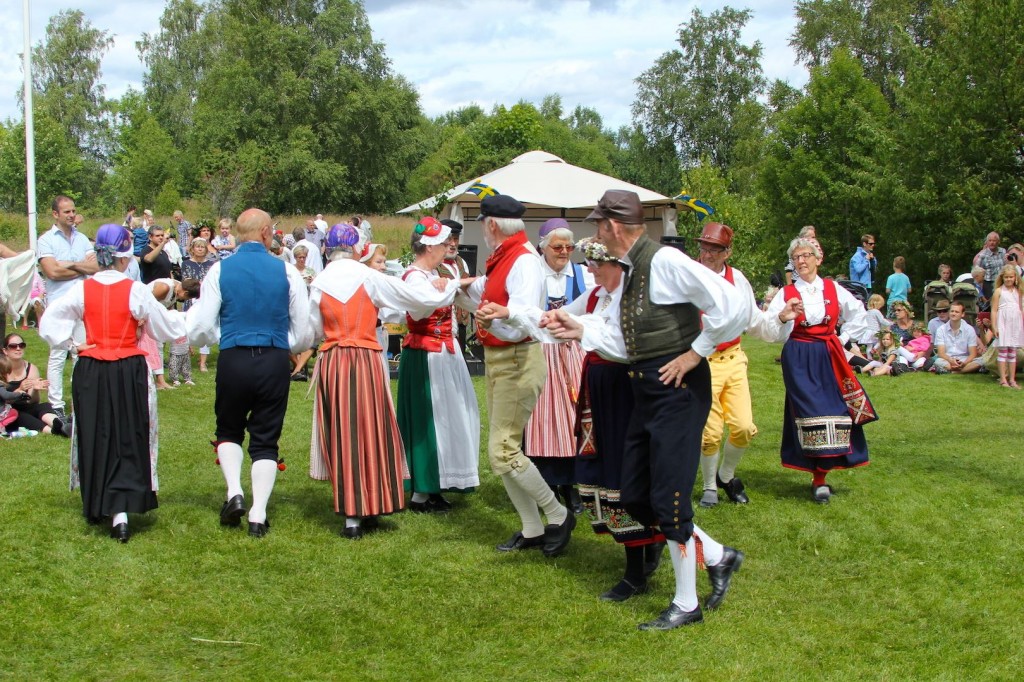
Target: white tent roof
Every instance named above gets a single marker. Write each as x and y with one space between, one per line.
539 179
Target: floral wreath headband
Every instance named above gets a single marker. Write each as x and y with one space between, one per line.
905 306
432 231
595 251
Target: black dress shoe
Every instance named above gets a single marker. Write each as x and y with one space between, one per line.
652 557
672 618
232 512
258 530
420 507
120 532
571 497
624 590
439 504
556 538
721 575
734 489
352 532
518 541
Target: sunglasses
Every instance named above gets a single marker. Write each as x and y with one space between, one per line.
870 243
564 248
17 346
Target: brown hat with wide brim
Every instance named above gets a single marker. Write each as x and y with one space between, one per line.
718 234
620 205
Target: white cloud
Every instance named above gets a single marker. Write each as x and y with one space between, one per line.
461 52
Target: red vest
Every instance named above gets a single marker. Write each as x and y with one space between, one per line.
731 280
825 328
352 324
431 333
499 264
109 325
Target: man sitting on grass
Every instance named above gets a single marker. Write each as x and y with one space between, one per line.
957 344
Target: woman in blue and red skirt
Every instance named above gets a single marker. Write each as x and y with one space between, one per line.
113 449
826 406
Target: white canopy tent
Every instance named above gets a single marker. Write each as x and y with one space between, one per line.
549 188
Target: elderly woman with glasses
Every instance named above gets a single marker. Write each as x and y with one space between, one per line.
826 407
24 376
549 440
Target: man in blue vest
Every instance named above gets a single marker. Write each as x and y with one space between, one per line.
257 309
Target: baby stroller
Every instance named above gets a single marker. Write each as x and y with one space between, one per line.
859 291
966 293
933 293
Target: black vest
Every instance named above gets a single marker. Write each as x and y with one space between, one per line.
651 330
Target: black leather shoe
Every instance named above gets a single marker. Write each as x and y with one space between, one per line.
624 590
556 538
518 542
721 575
420 507
652 557
352 532
120 533
734 489
232 512
672 618
258 530
571 497
439 504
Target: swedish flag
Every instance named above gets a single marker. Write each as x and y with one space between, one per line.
482 190
695 204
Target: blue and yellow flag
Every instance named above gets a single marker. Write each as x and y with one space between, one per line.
482 190
695 204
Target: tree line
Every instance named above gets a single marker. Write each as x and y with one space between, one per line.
910 126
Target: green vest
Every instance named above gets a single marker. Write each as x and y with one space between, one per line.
651 330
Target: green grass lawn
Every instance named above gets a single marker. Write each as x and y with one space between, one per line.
913 571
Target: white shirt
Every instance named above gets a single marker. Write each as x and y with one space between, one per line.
314 260
525 287
812 294
58 323
321 225
172 251
203 318
54 244
676 278
957 344
559 281
343 278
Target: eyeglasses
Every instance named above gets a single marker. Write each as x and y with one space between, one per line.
804 256
869 243
563 248
712 250
17 346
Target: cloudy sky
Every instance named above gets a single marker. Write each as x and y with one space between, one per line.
457 52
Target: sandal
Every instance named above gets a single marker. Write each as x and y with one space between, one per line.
1004 383
1013 384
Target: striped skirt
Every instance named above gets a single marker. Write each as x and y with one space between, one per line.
356 439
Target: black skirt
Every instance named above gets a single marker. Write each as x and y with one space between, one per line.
112 429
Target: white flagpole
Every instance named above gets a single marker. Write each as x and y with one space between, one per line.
30 142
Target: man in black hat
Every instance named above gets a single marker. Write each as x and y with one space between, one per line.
667 340
515 373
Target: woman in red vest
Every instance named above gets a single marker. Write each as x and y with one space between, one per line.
114 444
826 407
438 413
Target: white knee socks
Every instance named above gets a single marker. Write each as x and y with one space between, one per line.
529 516
684 563
230 456
531 481
731 456
264 473
709 467
713 549
119 518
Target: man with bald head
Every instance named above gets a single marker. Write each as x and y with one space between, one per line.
992 258
256 308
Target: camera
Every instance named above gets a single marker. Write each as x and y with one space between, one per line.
1012 257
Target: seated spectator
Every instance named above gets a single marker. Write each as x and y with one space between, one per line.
978 279
941 317
22 376
946 274
886 357
918 350
903 320
957 344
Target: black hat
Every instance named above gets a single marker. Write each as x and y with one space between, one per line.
500 206
455 225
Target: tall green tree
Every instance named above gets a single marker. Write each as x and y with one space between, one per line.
694 95
58 165
829 163
961 133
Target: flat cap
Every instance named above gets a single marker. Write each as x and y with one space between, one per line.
454 225
620 205
500 206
